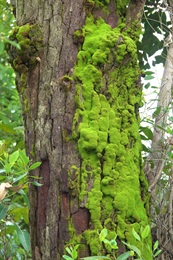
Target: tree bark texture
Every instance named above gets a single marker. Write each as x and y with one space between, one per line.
79 82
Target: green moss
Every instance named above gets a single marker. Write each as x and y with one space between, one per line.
29 37
106 127
73 180
92 239
25 59
93 202
135 30
23 32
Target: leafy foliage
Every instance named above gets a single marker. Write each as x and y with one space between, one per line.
134 252
156 28
15 206
14 230
11 126
14 164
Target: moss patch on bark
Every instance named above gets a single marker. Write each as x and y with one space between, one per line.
29 37
106 124
25 59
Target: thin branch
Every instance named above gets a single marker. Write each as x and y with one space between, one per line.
170 211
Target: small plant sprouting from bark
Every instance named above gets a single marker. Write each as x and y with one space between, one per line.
132 253
72 251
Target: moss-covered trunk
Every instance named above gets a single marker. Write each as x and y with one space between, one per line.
79 83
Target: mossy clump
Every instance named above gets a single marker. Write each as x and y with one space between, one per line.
24 59
29 38
106 126
92 238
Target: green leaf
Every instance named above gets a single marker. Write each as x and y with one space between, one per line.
3 211
135 234
106 241
25 197
149 72
169 130
76 247
36 177
34 166
24 157
25 214
124 256
145 232
20 177
143 137
103 234
156 112
134 248
20 164
145 149
24 237
113 244
1 47
14 205
38 185
13 157
156 244
74 254
149 77
15 44
159 59
147 131
66 257
157 253
132 253
95 257
170 118
69 250
25 240
17 213
147 85
7 129
7 168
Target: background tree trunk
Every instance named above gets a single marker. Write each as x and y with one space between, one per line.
79 83
158 166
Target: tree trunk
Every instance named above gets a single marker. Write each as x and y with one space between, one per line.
158 166
79 83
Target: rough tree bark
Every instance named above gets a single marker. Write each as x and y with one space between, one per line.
78 79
